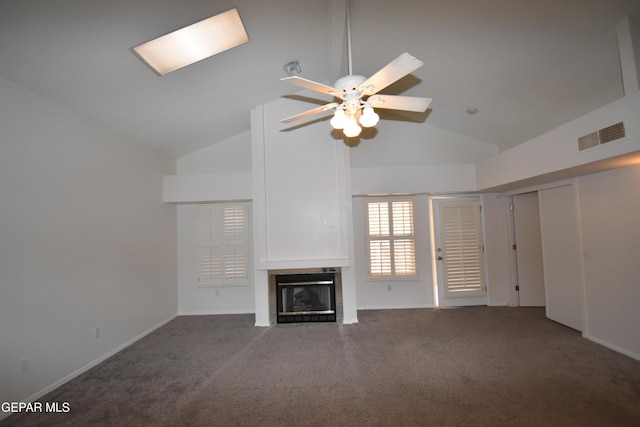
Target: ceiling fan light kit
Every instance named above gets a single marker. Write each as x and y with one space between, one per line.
359 95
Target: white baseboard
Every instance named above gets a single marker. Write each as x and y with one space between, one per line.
262 325
614 347
395 307
90 365
213 313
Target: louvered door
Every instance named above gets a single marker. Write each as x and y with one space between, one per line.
459 252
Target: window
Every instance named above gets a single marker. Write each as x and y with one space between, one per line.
223 231
390 238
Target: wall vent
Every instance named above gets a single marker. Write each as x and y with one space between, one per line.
608 134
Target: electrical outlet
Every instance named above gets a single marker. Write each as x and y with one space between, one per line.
217 293
96 333
389 288
24 365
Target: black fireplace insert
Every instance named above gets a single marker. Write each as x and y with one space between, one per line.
309 297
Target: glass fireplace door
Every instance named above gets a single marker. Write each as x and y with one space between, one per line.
306 297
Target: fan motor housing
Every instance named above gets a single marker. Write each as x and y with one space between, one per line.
349 84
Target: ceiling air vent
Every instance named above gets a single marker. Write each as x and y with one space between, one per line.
608 134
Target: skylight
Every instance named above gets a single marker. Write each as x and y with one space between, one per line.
194 43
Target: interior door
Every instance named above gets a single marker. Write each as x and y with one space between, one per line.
528 249
459 260
561 256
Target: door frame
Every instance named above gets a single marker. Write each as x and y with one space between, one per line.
513 294
536 290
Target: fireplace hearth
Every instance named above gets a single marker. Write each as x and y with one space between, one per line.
309 297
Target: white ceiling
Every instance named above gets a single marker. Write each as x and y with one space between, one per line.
527 66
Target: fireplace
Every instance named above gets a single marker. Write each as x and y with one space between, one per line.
309 297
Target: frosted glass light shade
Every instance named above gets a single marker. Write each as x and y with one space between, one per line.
194 43
339 120
369 118
352 129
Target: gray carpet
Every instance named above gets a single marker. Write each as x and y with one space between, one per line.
474 366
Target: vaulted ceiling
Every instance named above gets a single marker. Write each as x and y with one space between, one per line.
527 66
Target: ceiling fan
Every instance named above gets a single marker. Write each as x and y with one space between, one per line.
359 95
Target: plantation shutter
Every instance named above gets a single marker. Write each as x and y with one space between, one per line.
403 243
380 242
391 238
224 243
461 248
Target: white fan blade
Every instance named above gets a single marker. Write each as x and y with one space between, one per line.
310 112
308 84
395 102
392 72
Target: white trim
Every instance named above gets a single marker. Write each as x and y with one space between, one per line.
614 347
448 296
391 238
215 222
262 324
581 259
213 313
539 187
293 264
90 365
396 307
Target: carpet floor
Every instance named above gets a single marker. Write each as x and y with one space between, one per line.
473 366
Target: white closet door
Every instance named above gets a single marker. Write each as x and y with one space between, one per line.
561 255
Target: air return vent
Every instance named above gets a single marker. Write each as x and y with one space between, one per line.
602 136
611 133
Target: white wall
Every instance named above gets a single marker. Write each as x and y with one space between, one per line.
219 172
399 293
204 300
407 157
402 143
300 191
232 155
558 149
207 187
610 226
497 252
413 179
85 243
